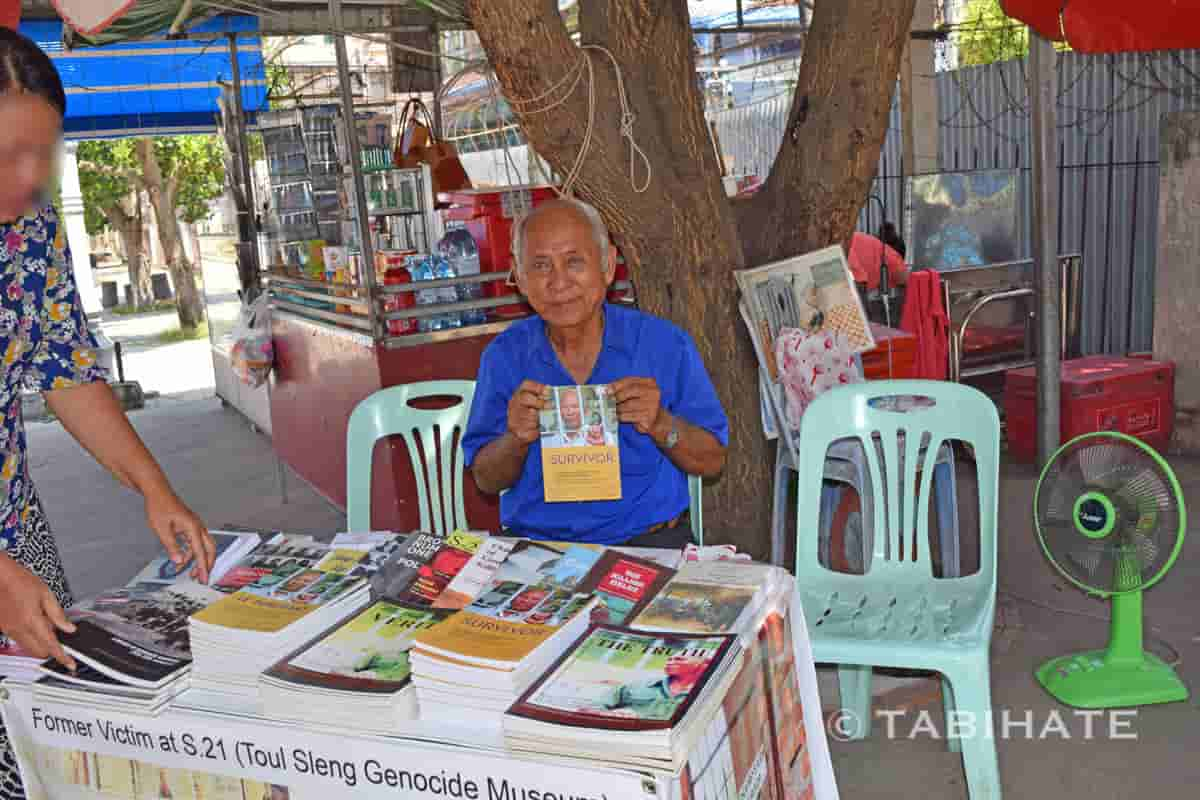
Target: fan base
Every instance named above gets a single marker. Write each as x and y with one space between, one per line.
1086 680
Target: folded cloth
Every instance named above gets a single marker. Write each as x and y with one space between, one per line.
925 317
810 364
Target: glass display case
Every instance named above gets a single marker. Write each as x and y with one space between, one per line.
303 211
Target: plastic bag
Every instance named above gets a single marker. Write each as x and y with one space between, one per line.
253 352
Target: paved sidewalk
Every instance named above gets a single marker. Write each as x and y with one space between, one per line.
221 467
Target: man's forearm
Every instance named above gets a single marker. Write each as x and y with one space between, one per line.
498 465
697 452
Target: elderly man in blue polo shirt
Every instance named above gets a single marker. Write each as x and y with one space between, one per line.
672 424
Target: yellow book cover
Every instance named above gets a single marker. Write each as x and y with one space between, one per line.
250 612
476 636
581 457
340 561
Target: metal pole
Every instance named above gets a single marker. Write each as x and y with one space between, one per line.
365 245
1043 95
439 130
248 250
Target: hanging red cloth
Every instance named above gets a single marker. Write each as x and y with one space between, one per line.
925 317
10 14
1111 26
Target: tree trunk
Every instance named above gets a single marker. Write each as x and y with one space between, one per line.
188 302
680 236
126 218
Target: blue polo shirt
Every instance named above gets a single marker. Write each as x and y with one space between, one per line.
653 489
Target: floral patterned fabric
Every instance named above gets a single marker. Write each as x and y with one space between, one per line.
45 342
810 364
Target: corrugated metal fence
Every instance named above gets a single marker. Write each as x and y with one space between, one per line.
1108 121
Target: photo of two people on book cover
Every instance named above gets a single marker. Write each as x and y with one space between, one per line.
582 416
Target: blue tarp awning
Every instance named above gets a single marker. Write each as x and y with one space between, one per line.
154 88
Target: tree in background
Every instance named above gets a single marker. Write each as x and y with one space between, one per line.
180 175
680 234
111 201
986 35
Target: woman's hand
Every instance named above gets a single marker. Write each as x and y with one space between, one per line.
171 522
30 613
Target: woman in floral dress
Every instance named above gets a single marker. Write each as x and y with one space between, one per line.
45 345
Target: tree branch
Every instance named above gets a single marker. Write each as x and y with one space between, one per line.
835 130
125 173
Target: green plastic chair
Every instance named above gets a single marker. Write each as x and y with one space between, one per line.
696 490
898 614
434 442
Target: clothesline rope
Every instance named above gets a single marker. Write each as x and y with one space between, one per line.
573 76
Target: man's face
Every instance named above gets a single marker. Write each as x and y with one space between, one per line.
564 275
568 406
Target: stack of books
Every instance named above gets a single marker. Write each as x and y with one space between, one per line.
17 665
132 643
302 588
480 659
628 697
713 597
357 675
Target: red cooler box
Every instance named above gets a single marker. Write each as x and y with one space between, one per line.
1099 393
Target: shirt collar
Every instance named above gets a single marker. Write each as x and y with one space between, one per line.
614 338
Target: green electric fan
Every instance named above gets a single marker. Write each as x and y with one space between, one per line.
1110 516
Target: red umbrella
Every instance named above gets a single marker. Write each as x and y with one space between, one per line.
1111 26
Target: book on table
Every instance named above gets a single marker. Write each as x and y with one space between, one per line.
138 635
626 696
711 597
480 658
308 588
357 674
231 548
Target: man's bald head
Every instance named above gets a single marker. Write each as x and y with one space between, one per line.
563 209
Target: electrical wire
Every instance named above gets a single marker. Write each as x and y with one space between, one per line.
1160 637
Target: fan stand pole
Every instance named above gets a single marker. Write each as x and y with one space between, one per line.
1125 640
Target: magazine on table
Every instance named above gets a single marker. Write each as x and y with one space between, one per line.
231 548
281 553
423 564
138 634
532 595
580 444
368 653
625 679
625 584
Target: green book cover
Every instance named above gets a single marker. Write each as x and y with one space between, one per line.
623 679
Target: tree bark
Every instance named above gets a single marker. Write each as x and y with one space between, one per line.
126 219
162 191
681 236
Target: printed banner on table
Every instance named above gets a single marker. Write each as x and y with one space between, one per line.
71 753
581 458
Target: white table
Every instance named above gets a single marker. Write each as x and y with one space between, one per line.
212 747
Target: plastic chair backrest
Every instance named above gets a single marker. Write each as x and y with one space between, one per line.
696 490
859 411
433 438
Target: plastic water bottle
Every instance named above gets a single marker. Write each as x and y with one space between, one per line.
421 270
448 294
459 248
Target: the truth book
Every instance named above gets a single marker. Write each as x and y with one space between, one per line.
581 457
624 679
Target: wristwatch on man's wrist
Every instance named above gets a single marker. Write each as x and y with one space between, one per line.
673 436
